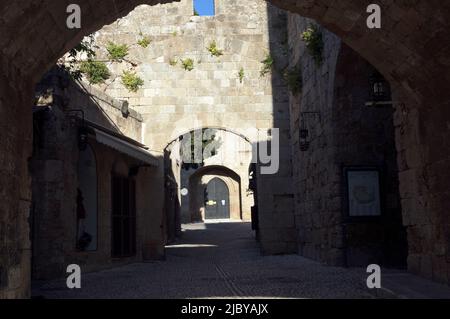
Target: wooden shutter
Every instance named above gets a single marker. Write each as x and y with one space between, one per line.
123 217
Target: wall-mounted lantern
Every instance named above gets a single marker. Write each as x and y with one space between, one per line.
304 138
125 109
304 134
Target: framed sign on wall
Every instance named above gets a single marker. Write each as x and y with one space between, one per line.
362 192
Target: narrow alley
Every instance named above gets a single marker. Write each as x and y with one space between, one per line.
190 149
216 260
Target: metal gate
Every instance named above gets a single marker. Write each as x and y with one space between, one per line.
217 200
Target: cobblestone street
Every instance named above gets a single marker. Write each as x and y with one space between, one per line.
214 260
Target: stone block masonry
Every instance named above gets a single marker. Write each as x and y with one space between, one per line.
174 101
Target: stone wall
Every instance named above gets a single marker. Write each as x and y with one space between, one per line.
423 159
316 174
343 133
15 185
174 101
275 192
100 108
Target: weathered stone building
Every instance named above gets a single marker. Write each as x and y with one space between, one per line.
213 95
96 198
411 51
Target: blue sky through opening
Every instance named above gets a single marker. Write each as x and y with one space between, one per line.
204 7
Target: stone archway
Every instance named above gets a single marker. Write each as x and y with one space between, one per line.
411 50
230 162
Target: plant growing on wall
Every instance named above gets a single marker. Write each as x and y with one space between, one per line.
214 50
131 81
81 60
188 64
117 52
144 41
294 80
173 62
85 47
241 75
71 61
96 72
312 36
268 63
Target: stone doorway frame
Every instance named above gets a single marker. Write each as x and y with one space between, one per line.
196 185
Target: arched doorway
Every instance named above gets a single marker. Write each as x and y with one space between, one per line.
217 200
239 204
229 163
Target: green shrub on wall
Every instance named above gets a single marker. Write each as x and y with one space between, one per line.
214 50
71 63
268 63
312 36
96 72
144 42
117 52
188 64
131 81
241 75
